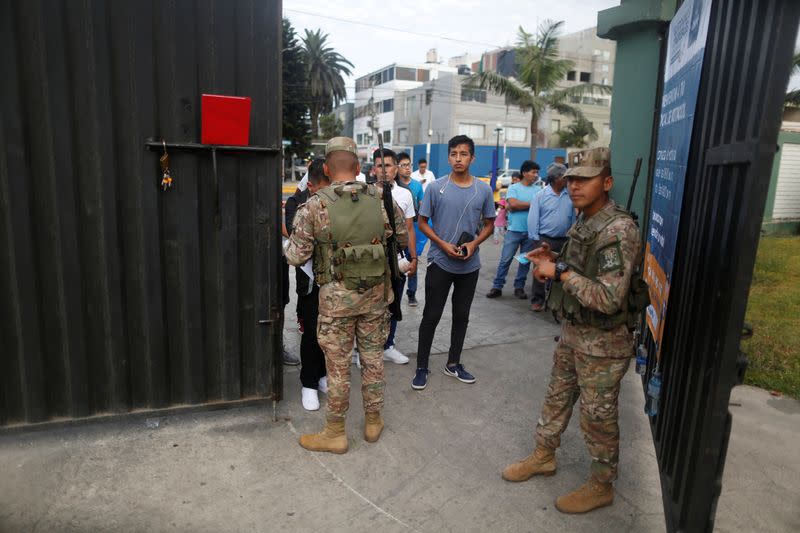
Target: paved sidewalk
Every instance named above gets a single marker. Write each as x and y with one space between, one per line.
436 467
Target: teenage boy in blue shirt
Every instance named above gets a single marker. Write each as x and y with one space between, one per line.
460 207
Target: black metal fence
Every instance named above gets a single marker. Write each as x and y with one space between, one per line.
114 295
745 73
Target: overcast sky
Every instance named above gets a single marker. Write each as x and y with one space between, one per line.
453 27
365 31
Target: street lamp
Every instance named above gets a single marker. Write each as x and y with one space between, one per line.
497 130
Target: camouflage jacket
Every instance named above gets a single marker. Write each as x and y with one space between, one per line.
334 299
607 293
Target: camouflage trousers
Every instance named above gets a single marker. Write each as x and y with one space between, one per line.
596 381
335 336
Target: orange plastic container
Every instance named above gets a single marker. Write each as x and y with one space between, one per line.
225 120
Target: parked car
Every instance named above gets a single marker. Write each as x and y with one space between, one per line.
504 176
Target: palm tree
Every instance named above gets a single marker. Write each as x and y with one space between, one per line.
578 134
324 71
793 97
540 71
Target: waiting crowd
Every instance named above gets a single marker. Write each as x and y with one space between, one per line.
582 246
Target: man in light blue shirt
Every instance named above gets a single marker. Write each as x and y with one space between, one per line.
549 219
518 202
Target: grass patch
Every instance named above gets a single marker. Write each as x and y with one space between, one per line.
774 311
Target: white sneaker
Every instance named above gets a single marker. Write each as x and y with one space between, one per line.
323 385
310 399
395 356
356 358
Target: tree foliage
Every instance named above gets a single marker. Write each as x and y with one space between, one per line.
324 69
577 135
540 73
295 102
793 97
330 125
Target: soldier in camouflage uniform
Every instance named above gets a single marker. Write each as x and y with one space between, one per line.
344 228
591 297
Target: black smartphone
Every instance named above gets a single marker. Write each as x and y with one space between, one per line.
464 238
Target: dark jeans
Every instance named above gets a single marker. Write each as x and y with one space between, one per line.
311 355
539 288
437 287
397 286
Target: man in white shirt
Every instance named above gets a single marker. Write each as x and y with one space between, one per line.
422 174
402 197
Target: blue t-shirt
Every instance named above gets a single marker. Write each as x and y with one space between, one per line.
518 220
415 188
452 210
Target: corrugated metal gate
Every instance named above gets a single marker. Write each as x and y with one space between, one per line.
745 74
114 295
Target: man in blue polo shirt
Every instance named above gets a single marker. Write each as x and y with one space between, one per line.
518 201
549 219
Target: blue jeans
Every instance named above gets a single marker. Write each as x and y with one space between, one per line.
412 280
514 240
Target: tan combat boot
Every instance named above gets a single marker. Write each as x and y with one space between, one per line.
541 462
373 425
592 495
331 439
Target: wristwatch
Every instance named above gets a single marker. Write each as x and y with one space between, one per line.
561 267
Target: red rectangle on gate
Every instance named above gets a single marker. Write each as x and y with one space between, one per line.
225 120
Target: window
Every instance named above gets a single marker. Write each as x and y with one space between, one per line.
387 136
606 55
606 128
403 73
386 106
587 100
386 75
360 138
473 95
585 77
515 134
473 131
574 99
596 52
604 81
555 125
571 75
604 68
402 135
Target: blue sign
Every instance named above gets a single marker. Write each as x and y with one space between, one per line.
685 50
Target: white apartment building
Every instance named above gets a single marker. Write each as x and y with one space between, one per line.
375 97
428 103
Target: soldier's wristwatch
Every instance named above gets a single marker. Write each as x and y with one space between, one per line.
561 267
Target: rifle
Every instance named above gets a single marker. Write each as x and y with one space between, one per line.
391 242
636 171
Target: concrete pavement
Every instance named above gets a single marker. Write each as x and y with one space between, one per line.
436 467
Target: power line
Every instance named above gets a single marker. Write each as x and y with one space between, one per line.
401 30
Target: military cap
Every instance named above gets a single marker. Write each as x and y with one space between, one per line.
589 163
341 144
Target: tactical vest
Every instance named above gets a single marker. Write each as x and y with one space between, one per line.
354 250
581 254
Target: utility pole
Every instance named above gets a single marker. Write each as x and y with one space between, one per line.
430 118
